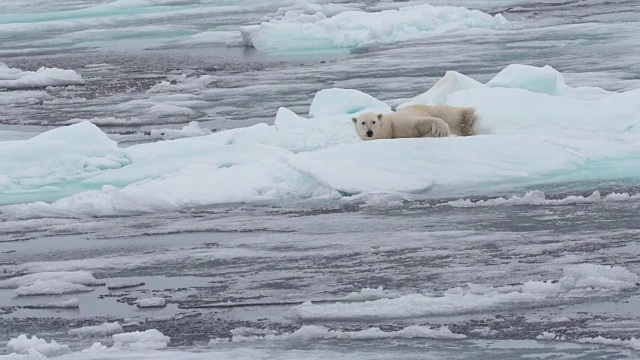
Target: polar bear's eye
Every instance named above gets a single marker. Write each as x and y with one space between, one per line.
374 122
363 123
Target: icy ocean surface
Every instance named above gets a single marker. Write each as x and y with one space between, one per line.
181 180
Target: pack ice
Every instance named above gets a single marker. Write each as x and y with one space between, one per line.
335 26
533 129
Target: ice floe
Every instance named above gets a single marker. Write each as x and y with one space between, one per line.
533 129
322 29
579 281
12 78
102 329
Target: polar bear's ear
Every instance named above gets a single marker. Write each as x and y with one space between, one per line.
354 119
379 116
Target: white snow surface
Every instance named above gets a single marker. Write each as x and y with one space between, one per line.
333 27
578 281
533 129
12 78
102 329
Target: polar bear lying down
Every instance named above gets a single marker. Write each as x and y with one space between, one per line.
416 121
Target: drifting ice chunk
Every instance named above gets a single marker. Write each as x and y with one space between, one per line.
124 285
74 277
103 329
368 294
193 129
311 332
17 79
578 281
51 287
338 101
349 29
164 110
154 302
24 345
68 304
145 340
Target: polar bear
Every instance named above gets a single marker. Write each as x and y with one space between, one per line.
416 121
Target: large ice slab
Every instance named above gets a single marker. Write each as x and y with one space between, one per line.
12 78
579 281
295 31
533 129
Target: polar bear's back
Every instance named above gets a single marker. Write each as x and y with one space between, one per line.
459 119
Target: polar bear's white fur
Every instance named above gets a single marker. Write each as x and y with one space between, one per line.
416 121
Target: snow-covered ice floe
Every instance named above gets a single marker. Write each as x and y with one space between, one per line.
311 332
124 344
12 78
632 342
534 129
334 26
52 283
579 282
102 329
153 302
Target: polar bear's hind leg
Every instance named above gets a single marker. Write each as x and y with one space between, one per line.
467 121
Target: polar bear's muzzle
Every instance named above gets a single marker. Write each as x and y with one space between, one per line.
369 133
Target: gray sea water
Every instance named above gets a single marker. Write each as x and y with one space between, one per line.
234 266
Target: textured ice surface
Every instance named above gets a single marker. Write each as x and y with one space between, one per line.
537 197
74 277
51 287
578 281
36 347
533 128
141 340
12 78
295 31
153 302
311 332
102 329
72 303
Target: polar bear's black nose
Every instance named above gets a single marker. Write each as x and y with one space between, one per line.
369 133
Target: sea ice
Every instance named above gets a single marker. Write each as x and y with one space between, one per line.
295 31
12 78
102 329
141 340
25 345
537 197
579 281
72 303
368 294
311 332
51 287
533 129
153 302
75 277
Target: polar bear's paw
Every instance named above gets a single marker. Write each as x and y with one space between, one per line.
439 128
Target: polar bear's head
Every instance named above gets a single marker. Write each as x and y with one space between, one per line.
369 126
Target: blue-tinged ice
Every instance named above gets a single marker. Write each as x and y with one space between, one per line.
532 129
296 31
